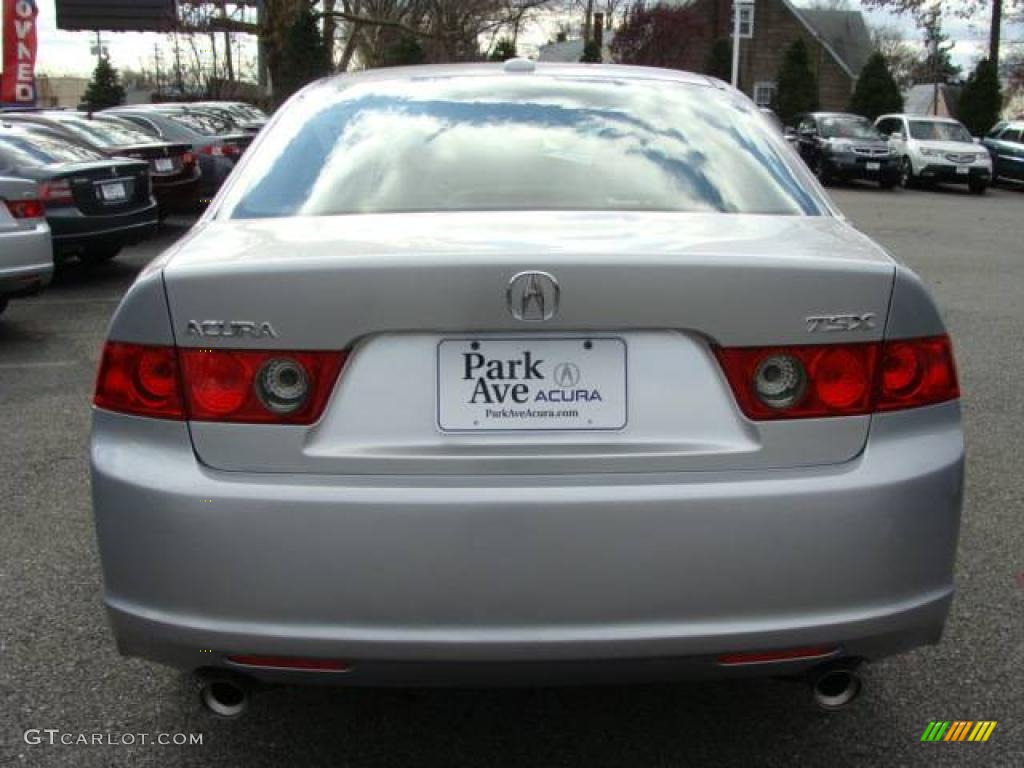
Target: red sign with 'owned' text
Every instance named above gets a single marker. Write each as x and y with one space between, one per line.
18 85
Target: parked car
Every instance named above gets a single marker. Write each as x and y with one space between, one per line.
172 166
217 145
95 205
1005 144
244 116
26 258
836 145
525 372
934 149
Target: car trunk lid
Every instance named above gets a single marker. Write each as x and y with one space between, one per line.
395 289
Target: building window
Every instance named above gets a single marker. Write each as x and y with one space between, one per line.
746 19
764 93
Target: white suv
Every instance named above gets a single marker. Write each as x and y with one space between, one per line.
936 149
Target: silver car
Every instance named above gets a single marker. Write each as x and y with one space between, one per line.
525 374
26 254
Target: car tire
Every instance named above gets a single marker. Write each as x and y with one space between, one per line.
907 178
977 187
98 254
820 171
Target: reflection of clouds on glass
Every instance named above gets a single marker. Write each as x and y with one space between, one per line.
498 143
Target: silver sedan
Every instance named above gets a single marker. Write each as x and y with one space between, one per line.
525 374
26 254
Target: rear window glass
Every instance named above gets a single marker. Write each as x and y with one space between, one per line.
39 148
105 134
519 143
206 124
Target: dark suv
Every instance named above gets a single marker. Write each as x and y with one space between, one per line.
836 145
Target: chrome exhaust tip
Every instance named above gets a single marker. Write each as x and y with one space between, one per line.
224 696
835 687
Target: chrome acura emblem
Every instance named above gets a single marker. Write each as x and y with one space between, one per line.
533 296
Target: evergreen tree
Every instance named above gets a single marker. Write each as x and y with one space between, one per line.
982 99
105 89
876 92
591 53
797 85
304 55
504 50
719 60
405 51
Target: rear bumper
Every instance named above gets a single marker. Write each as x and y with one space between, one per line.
498 579
72 229
26 261
178 192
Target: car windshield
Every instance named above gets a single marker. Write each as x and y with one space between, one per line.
504 143
37 148
848 128
105 134
934 130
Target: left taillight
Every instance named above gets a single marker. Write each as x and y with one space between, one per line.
814 381
26 209
243 386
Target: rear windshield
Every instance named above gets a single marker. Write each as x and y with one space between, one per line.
848 128
519 143
105 134
203 124
928 130
38 148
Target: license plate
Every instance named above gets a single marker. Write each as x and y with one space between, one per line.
963 171
163 165
874 166
502 385
113 192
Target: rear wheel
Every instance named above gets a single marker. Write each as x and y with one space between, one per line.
98 254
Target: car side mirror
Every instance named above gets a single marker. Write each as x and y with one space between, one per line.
897 135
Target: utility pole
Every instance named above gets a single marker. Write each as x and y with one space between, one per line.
156 66
97 48
735 44
994 31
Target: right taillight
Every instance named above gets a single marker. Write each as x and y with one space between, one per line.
230 385
813 381
26 209
916 372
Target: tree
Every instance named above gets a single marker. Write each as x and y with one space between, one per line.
663 36
900 56
797 86
718 62
105 89
876 92
982 99
936 66
591 52
504 50
304 55
965 9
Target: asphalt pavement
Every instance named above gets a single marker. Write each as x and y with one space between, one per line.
60 670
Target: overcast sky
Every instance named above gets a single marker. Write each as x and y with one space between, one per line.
67 53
